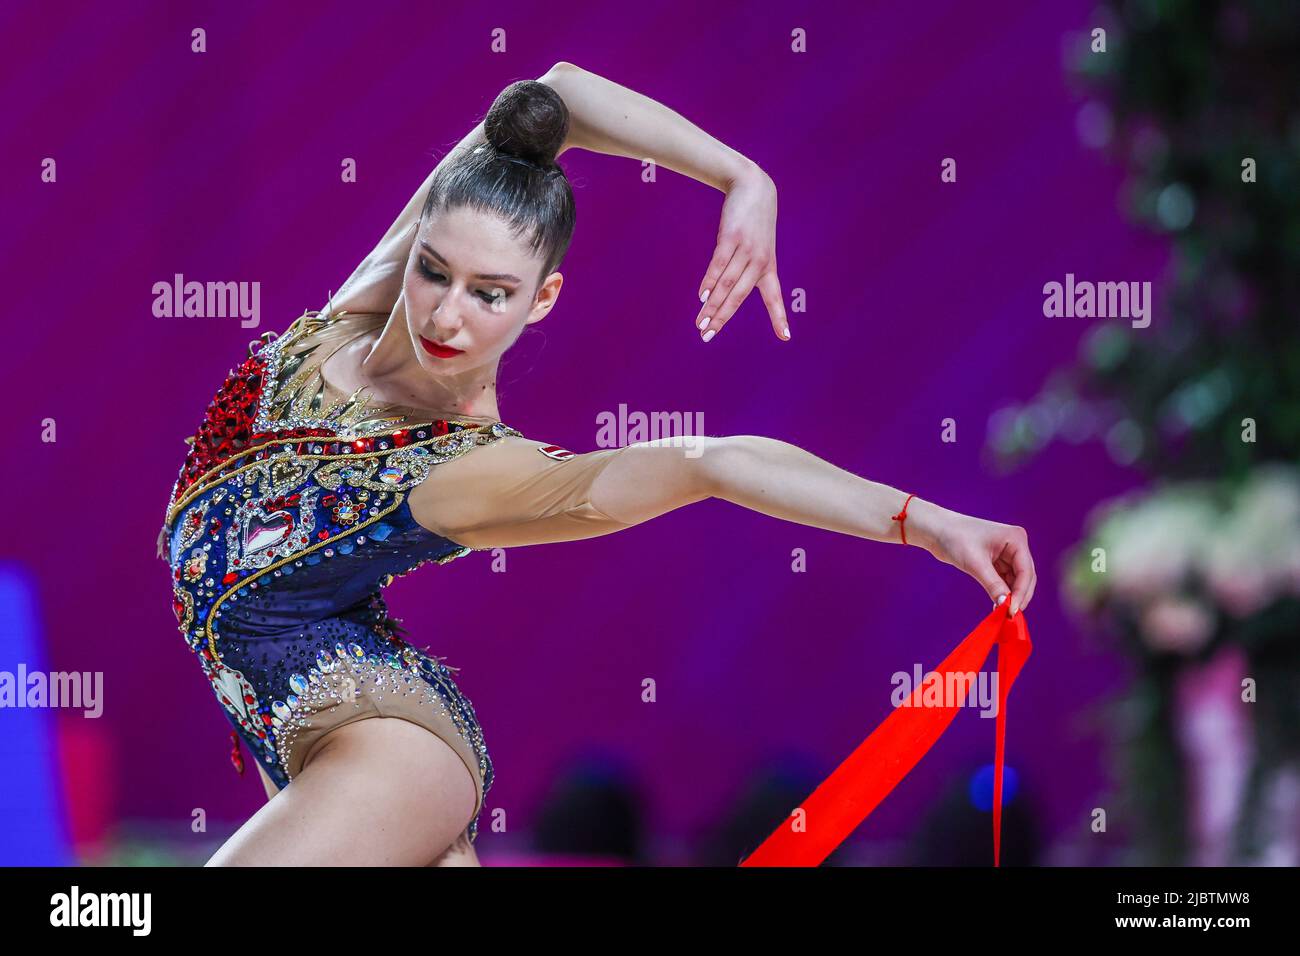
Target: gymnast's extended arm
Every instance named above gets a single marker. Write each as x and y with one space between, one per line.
509 495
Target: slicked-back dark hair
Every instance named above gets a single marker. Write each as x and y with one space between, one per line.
515 174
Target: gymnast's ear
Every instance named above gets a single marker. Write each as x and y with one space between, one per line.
547 295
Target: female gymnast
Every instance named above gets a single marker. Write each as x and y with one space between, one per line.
365 441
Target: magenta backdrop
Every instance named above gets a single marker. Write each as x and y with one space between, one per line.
923 302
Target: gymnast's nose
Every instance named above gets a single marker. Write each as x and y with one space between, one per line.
447 317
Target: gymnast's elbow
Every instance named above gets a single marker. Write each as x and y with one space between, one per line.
560 68
733 461
719 459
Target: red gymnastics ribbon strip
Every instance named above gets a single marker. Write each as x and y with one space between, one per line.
870 773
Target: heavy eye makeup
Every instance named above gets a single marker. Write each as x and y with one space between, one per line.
489 297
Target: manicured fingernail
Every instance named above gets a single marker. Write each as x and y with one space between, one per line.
709 334
704 295
998 602
704 320
785 332
1012 612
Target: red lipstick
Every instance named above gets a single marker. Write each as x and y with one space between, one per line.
441 351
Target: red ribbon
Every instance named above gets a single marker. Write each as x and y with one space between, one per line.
236 757
870 773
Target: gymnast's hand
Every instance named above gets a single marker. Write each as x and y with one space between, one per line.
996 555
745 256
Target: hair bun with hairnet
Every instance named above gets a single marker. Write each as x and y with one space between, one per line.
528 120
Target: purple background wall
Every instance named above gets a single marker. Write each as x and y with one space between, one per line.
924 301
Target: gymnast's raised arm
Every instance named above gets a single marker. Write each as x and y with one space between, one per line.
506 494
605 117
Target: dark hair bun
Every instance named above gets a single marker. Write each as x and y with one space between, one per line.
528 119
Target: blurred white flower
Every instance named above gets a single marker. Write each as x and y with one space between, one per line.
1252 555
1161 542
1153 546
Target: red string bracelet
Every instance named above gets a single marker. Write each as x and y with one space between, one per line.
901 518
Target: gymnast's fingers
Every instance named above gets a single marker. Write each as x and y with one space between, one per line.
722 256
709 323
739 291
769 286
1033 584
990 581
1008 574
1024 567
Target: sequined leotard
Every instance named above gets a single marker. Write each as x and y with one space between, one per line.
287 520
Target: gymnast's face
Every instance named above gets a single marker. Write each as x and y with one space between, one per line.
470 288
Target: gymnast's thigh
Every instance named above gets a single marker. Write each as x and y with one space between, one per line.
377 792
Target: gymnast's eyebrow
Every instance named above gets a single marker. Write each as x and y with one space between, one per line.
495 276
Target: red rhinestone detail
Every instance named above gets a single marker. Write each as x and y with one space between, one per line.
227 427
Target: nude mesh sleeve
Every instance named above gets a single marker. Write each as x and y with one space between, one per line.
509 493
